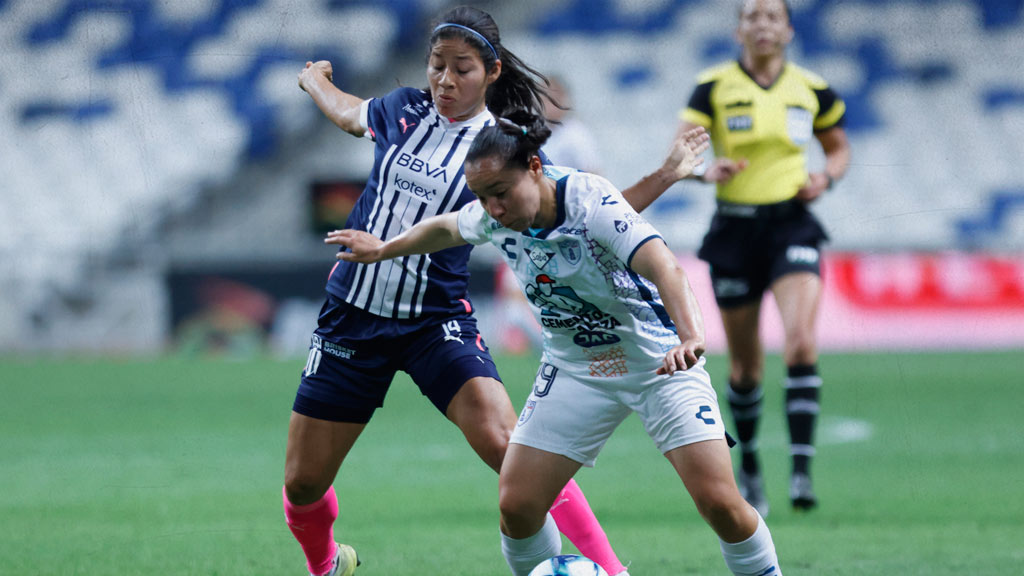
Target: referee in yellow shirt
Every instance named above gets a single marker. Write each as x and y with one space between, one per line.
761 112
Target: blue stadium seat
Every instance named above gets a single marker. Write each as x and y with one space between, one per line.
603 16
1002 13
996 98
78 113
985 229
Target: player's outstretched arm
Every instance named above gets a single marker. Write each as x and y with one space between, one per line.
683 157
317 79
430 235
658 264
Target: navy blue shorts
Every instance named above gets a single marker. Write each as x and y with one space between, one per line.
749 247
354 355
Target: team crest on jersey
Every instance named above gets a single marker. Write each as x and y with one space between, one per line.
571 250
621 226
539 255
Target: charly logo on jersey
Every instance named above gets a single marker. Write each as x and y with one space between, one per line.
570 249
555 301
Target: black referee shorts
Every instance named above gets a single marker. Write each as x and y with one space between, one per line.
751 246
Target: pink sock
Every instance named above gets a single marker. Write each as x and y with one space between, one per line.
313 527
576 520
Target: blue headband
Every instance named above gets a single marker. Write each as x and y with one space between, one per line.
471 31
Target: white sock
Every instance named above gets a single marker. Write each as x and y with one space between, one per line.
755 556
524 554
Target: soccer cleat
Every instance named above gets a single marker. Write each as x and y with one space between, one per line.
752 490
344 563
801 492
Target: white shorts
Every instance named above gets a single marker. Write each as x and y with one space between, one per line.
574 415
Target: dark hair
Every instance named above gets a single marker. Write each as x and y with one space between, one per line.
515 138
518 86
785 6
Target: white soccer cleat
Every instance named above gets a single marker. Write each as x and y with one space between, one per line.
344 563
752 489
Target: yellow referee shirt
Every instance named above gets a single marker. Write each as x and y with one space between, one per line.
770 127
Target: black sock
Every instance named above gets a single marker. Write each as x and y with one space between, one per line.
746 413
803 389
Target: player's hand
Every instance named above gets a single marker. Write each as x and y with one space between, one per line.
312 71
815 186
365 247
686 153
723 169
682 357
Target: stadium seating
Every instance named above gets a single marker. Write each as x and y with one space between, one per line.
932 121
117 114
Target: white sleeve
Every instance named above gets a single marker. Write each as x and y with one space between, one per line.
364 119
614 223
475 225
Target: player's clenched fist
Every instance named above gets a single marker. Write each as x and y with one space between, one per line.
313 71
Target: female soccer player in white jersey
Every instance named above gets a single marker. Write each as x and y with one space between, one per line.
414 314
622 334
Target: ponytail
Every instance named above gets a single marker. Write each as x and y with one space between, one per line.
516 139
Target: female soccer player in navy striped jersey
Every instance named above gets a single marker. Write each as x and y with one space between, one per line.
413 314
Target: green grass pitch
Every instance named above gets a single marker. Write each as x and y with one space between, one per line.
174 466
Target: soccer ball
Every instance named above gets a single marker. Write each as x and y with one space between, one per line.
568 565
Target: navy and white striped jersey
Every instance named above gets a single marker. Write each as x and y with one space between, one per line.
417 174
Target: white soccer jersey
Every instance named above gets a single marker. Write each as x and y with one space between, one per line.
600 318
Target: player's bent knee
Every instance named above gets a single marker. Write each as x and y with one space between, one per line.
722 509
490 443
520 515
801 349
302 490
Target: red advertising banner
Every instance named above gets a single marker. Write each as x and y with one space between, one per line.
909 301
947 281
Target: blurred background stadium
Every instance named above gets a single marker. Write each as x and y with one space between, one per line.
166 184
